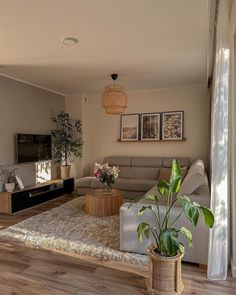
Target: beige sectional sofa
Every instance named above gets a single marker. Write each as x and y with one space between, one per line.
137 174
138 177
196 186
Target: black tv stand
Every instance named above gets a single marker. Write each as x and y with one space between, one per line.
34 195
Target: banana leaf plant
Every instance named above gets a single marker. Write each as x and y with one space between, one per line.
165 232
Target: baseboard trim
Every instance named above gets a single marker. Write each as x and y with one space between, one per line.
233 270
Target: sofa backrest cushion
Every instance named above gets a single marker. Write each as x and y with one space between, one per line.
146 162
195 177
167 162
142 167
139 172
118 161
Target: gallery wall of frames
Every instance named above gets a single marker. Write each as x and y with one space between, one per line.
165 126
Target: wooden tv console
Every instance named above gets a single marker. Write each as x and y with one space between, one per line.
34 195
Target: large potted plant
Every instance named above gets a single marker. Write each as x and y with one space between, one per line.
66 141
166 253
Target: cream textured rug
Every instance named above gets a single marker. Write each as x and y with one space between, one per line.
68 228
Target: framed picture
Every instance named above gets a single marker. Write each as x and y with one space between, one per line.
173 125
19 182
129 127
150 126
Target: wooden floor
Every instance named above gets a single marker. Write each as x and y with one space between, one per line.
26 271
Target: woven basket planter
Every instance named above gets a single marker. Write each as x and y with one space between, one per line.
165 277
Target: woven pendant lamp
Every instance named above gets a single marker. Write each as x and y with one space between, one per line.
114 99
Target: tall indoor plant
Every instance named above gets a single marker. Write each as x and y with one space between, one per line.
66 141
167 251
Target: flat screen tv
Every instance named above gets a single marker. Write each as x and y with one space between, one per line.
33 148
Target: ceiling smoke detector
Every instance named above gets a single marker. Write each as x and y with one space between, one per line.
70 41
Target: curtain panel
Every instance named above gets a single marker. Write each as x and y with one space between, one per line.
219 234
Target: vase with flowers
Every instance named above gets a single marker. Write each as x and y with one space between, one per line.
107 175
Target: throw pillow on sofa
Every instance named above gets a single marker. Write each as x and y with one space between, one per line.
165 173
194 178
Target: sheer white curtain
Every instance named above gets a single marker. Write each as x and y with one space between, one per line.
219 235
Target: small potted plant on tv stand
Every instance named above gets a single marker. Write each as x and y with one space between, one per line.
66 141
10 184
166 253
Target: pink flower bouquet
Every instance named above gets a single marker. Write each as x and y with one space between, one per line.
107 174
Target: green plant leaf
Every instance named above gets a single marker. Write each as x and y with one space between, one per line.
184 198
169 241
191 210
143 227
208 216
175 178
192 213
142 210
188 235
153 198
163 187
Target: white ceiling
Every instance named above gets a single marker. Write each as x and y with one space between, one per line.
149 43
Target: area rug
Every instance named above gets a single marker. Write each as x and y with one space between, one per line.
67 228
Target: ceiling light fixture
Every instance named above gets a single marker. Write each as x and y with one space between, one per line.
70 41
114 99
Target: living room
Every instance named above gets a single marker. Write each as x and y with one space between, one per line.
117 147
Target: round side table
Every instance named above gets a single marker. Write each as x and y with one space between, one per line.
100 204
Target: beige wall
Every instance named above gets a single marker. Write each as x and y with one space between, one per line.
24 109
104 130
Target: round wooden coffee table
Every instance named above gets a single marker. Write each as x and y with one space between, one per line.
98 203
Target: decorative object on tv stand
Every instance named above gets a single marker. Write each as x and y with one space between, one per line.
19 182
173 125
114 99
66 141
150 126
107 175
11 178
167 251
7 175
129 127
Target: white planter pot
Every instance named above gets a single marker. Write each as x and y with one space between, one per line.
9 187
65 171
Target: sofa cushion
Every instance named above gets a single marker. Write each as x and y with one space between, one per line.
118 161
96 183
201 195
165 173
195 177
141 185
139 172
84 181
167 162
146 162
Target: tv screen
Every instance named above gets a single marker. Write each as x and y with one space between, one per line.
33 148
